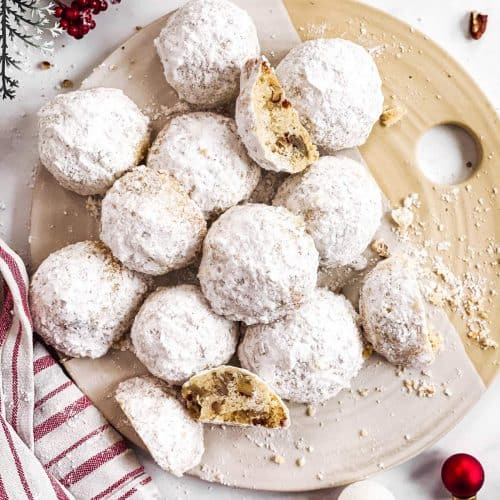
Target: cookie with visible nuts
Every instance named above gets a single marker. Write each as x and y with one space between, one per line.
231 395
268 124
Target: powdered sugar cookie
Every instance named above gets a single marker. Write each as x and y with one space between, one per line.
172 436
311 354
335 86
89 138
204 153
258 264
176 334
203 47
340 203
150 223
393 316
82 299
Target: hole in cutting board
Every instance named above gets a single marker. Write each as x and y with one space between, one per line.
448 154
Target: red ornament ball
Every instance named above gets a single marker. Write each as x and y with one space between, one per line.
462 475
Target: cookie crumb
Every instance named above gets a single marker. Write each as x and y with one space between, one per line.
310 411
278 459
363 433
402 216
381 248
300 462
392 115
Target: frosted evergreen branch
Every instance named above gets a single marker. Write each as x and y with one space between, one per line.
26 21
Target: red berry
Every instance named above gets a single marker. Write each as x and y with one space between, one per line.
95 5
75 5
74 31
64 24
91 24
84 29
104 5
58 11
83 3
71 14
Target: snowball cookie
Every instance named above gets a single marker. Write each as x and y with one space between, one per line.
366 490
173 438
89 138
176 334
203 47
268 124
234 396
393 316
310 355
258 264
82 299
340 203
150 223
336 88
204 153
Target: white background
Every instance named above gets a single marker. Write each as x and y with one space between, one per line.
445 22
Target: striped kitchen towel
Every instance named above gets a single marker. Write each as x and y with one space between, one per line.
55 444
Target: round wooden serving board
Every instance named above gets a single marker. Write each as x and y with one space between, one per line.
435 90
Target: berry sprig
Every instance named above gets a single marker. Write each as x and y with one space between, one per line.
77 19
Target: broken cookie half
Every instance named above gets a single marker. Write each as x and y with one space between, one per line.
268 124
234 396
172 436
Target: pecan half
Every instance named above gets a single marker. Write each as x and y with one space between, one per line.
477 24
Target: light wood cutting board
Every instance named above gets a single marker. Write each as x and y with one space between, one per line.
435 90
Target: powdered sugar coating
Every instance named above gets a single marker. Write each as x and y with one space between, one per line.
204 153
340 203
335 86
203 46
82 299
150 223
172 436
88 138
176 334
258 264
311 354
392 312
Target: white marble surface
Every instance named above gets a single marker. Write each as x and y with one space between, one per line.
443 21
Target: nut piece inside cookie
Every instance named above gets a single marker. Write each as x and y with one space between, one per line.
230 395
275 138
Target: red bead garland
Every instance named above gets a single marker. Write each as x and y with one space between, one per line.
77 18
462 475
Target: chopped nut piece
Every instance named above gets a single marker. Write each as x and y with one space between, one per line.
477 24
67 84
278 459
392 115
381 248
363 392
45 65
310 411
300 461
363 433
